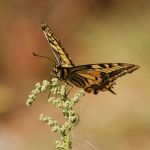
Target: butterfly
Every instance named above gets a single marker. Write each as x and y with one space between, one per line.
91 77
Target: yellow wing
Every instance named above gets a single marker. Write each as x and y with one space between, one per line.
58 51
99 77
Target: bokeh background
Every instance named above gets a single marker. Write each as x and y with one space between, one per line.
92 31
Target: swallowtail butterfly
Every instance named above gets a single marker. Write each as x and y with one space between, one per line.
91 77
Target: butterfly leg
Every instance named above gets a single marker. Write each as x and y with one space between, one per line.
53 75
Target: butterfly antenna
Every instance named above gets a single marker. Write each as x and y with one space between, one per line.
34 54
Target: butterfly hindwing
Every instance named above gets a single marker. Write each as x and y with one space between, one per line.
99 77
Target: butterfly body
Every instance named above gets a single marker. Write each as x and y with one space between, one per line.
91 77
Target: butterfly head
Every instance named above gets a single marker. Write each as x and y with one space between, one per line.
57 70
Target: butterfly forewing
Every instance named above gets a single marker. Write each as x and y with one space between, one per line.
56 46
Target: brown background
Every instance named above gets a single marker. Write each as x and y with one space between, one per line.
92 31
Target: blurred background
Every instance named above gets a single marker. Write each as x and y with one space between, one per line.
92 31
